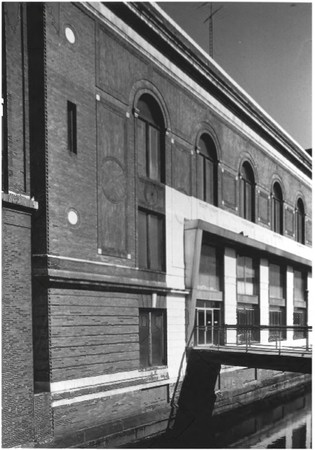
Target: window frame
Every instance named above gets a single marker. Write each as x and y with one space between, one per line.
243 267
247 189
146 359
215 272
150 241
72 127
282 280
277 208
297 290
300 222
299 320
152 118
207 159
278 312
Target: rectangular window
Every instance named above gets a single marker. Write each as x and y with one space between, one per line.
299 285
200 176
277 317
247 276
151 241
247 323
72 127
152 337
277 220
142 145
299 227
248 201
209 271
276 281
208 181
154 157
142 239
299 320
150 152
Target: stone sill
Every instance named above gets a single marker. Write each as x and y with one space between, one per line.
21 200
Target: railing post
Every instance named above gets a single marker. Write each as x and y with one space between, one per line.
307 338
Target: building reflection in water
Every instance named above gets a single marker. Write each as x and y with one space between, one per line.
283 426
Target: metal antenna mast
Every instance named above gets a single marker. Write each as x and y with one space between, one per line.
209 19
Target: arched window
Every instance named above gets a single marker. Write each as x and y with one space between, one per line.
207 170
150 139
300 221
247 192
277 209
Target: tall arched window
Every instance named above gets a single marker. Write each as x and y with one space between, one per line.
207 170
247 192
150 139
300 221
277 209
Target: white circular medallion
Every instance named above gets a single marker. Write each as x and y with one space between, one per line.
70 35
73 217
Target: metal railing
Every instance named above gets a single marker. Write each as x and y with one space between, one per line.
282 339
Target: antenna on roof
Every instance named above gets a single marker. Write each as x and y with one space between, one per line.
209 19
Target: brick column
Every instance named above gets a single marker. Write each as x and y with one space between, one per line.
264 298
230 299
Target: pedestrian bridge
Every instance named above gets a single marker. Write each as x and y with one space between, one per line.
283 348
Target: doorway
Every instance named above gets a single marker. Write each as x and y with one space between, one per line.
208 326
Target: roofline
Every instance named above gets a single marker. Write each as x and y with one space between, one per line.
154 25
224 73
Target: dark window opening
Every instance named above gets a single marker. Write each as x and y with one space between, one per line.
299 437
207 170
247 192
72 127
299 299
152 337
151 241
151 140
277 209
300 222
277 318
277 292
247 320
299 320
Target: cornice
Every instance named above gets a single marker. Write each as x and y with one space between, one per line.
149 21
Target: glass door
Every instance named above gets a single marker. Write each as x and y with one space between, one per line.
208 322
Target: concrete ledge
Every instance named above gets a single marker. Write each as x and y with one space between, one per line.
14 199
282 363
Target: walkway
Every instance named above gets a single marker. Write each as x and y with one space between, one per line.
265 347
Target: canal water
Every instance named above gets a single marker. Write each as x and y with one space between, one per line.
269 423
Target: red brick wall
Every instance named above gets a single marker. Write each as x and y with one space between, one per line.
92 333
16 147
17 353
111 69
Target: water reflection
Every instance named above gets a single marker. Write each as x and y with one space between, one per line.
287 425
271 423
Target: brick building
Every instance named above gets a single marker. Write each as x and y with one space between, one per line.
143 190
